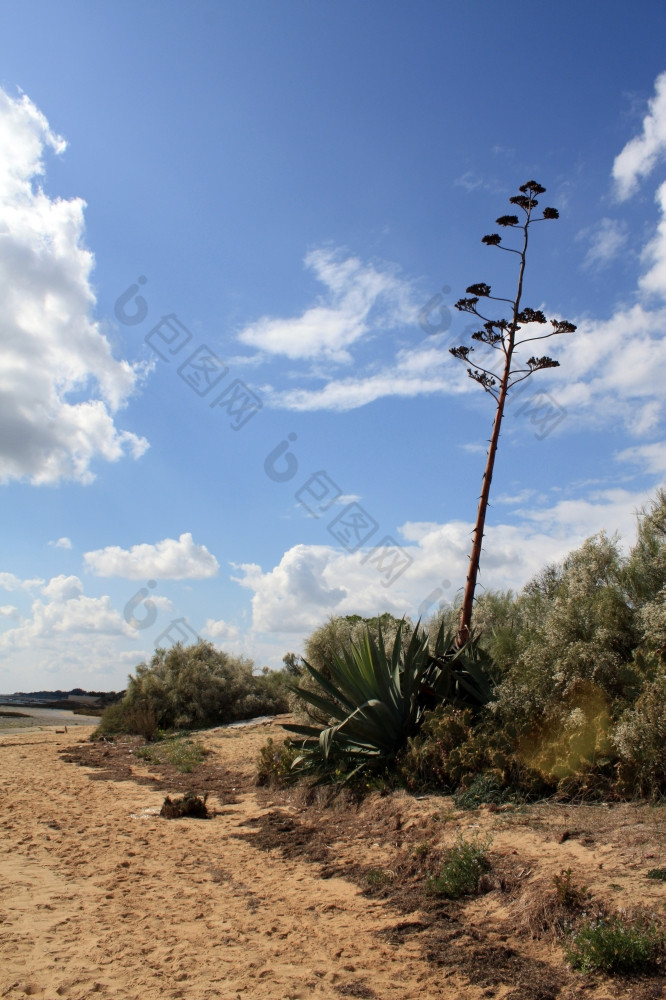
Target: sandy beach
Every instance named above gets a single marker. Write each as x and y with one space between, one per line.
101 896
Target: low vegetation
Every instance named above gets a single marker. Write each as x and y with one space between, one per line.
614 945
463 866
183 752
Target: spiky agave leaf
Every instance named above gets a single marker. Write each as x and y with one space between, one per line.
375 701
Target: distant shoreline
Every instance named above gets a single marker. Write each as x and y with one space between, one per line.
41 717
61 705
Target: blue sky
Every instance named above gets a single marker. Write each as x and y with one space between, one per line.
274 431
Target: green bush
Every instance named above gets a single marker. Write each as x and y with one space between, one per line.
432 759
463 866
477 760
579 671
187 687
613 945
482 790
640 740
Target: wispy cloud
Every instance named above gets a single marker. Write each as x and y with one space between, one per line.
419 371
360 298
606 239
653 282
642 153
650 457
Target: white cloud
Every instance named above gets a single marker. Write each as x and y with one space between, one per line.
602 510
416 372
606 240
167 560
611 369
653 282
66 613
220 629
470 181
295 594
61 543
8 611
10 582
641 154
311 583
651 457
63 588
360 297
50 345
512 499
67 637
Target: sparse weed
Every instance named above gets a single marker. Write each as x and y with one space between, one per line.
464 864
613 945
275 761
182 752
570 895
484 788
659 874
379 876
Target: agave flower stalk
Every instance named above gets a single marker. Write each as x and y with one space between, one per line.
502 335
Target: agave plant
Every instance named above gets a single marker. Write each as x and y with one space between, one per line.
376 701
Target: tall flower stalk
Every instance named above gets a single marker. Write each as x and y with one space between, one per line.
502 335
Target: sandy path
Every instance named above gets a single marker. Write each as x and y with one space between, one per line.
98 899
101 897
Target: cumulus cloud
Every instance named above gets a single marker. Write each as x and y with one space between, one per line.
50 345
63 588
642 153
169 559
8 611
220 629
312 582
359 297
296 593
65 612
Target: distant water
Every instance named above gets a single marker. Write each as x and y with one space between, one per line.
41 718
